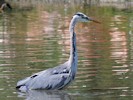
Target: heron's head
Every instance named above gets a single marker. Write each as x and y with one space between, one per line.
83 18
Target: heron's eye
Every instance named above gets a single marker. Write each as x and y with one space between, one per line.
86 18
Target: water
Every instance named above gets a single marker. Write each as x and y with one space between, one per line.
34 38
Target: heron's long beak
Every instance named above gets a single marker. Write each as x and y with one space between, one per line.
95 21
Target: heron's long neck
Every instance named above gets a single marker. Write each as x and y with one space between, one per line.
73 50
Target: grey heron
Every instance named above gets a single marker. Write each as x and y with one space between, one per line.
60 76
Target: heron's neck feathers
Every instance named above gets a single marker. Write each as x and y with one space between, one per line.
73 49
72 25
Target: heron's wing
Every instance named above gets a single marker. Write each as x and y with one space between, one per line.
63 68
43 80
27 79
38 79
54 81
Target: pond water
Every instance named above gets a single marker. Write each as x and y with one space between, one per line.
34 38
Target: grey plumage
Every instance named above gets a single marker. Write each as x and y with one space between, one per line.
61 76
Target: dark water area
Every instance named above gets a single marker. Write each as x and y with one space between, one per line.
34 38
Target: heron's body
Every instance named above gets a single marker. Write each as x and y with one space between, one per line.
60 76
54 78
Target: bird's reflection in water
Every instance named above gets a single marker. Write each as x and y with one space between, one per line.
44 95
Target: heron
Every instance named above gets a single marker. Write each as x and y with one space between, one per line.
60 76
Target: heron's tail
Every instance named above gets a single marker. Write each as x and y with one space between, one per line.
22 83
22 88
